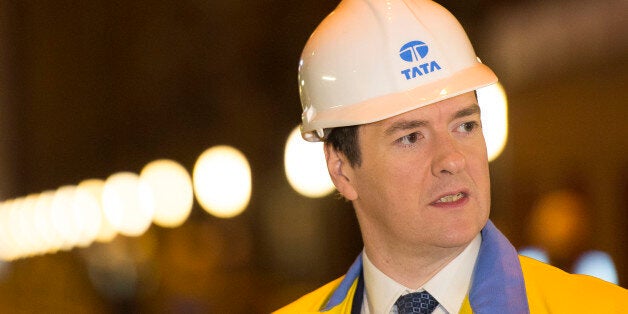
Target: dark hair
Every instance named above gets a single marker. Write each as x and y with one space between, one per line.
345 140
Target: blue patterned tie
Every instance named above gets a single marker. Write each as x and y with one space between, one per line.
417 302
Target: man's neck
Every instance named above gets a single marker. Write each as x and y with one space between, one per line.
411 268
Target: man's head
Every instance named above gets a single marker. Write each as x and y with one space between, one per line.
389 86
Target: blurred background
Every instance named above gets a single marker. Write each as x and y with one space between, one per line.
89 89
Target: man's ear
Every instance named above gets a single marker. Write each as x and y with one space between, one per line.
341 172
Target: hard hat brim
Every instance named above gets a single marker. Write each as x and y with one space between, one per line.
386 106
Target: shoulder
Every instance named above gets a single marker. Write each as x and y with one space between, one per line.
313 301
550 288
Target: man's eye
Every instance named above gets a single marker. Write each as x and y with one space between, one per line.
468 127
409 139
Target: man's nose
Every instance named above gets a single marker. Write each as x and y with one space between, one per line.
448 159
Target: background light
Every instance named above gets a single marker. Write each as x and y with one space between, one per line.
494 105
535 253
597 264
25 225
559 223
87 212
222 181
7 243
62 217
305 166
128 203
13 226
106 232
172 190
43 223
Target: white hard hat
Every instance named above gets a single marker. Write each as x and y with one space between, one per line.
373 59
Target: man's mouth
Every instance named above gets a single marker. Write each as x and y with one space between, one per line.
451 198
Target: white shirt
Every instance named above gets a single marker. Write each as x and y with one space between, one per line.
449 286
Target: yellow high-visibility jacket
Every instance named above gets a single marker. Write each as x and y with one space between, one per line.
503 282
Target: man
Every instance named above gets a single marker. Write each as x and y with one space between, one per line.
390 87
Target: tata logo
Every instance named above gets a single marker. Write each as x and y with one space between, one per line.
413 51
416 51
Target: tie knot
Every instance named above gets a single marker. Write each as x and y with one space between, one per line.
416 302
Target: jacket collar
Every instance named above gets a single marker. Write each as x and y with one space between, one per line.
341 292
497 285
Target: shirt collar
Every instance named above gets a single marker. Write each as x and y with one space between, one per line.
449 286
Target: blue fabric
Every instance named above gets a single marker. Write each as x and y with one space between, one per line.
341 292
497 285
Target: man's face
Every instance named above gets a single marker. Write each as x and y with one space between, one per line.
424 180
